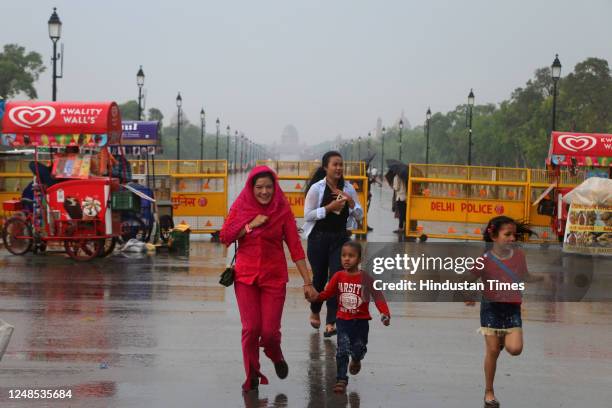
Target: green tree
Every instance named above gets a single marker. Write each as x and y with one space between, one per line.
156 115
129 110
19 71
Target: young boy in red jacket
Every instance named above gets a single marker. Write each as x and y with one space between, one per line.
353 288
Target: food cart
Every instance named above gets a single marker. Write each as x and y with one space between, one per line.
589 154
71 199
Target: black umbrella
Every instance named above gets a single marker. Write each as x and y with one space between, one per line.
398 168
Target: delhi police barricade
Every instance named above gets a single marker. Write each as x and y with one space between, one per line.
456 202
293 176
15 175
196 189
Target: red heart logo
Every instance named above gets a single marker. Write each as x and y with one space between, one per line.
576 143
27 116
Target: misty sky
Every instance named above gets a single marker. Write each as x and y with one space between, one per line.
328 67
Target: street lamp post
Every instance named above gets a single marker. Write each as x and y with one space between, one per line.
203 129
359 148
470 108
369 144
401 126
556 74
227 145
235 149
55 32
140 77
382 150
179 103
428 116
241 149
218 123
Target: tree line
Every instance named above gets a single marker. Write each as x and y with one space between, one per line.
515 132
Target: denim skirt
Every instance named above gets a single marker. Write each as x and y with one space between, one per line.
499 319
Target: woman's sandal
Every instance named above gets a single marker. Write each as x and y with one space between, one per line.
340 386
315 322
329 333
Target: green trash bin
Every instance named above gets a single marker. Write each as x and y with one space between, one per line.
179 239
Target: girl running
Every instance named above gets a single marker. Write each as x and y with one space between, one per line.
500 310
352 287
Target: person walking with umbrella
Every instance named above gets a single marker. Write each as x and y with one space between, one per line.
331 208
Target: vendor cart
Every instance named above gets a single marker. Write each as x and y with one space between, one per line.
70 200
586 154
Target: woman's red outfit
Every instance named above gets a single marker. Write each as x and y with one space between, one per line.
261 270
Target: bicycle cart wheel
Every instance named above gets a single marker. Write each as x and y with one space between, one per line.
133 227
83 249
109 247
17 236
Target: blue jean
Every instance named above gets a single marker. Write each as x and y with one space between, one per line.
352 340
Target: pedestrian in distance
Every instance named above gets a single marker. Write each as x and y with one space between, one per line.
354 289
260 220
399 187
500 310
331 209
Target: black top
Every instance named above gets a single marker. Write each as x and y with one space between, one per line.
332 221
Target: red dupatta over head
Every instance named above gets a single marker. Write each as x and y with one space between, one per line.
246 207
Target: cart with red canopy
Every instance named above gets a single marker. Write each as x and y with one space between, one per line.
588 153
71 200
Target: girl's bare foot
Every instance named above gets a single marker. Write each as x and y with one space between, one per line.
315 320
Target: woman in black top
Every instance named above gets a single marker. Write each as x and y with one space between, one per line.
331 207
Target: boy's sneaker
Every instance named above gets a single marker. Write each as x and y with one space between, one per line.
354 367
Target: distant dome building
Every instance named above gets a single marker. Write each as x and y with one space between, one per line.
289 148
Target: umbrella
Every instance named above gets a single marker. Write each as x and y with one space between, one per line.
369 159
398 168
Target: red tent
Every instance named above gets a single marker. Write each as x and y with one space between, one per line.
61 123
586 149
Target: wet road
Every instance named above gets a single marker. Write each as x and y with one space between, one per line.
160 331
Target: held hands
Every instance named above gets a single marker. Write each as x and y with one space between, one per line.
258 221
386 320
310 293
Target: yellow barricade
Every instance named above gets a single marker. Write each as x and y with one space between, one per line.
293 176
15 175
197 190
450 201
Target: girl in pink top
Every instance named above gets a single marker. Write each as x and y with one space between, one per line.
261 219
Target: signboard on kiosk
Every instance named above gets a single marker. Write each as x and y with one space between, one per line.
580 149
139 138
28 123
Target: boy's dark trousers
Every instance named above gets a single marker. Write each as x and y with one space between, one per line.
352 340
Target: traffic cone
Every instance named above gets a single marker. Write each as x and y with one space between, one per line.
206 186
545 235
452 230
298 186
208 223
477 231
420 228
